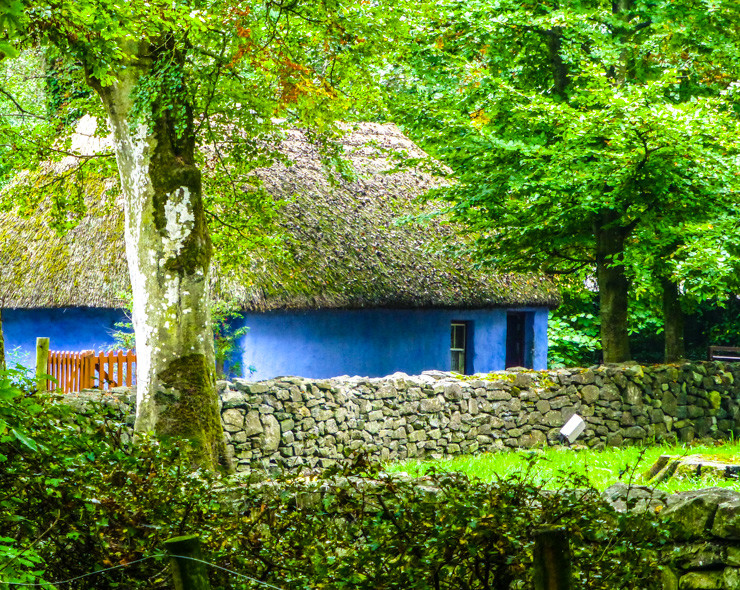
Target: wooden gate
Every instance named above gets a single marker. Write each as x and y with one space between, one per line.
75 371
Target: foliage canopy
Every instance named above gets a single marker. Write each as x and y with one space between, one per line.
586 135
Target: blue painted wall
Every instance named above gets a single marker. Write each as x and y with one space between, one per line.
378 342
315 344
73 329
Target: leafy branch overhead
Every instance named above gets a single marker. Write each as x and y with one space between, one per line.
175 81
591 135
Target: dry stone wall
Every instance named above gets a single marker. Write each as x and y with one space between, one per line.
292 422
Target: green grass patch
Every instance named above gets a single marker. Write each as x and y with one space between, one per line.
551 467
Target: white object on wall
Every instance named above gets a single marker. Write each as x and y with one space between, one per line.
572 429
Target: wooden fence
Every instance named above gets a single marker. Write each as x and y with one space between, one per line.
75 371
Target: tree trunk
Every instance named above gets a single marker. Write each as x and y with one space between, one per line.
2 344
168 249
613 287
673 321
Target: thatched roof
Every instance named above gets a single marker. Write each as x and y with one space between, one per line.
346 249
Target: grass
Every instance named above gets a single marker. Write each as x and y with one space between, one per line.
548 467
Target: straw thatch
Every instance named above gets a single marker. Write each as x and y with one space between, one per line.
345 247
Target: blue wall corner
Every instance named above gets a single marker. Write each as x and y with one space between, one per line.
69 329
539 344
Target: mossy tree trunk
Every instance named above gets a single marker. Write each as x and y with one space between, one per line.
613 287
2 343
168 249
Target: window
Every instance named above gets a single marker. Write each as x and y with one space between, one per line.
458 348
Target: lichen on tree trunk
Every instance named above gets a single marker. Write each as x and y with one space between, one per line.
168 249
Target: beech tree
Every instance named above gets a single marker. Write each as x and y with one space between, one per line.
176 81
581 133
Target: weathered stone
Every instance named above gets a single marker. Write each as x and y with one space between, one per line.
669 403
731 578
543 406
585 377
690 514
252 423
640 498
271 434
614 439
733 555
727 520
559 402
431 405
698 556
633 395
523 380
534 438
634 432
233 420
668 578
331 426
452 391
710 580
590 394
609 393
232 399
627 419
553 418
256 388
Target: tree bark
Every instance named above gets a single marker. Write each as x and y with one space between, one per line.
613 287
673 320
2 344
168 249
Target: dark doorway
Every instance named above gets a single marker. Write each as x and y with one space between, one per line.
516 329
461 347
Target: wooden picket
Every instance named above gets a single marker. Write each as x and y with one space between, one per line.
75 371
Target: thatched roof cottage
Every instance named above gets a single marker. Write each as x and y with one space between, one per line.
354 292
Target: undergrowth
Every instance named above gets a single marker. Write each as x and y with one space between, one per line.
76 499
600 468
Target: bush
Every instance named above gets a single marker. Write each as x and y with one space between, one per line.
445 532
76 499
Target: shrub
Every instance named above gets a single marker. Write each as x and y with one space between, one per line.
76 499
445 532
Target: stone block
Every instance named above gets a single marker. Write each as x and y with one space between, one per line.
431 405
614 439
553 418
727 520
690 514
590 394
633 395
452 391
534 438
708 580
271 433
233 420
634 432
542 406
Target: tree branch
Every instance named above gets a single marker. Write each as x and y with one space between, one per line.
21 110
